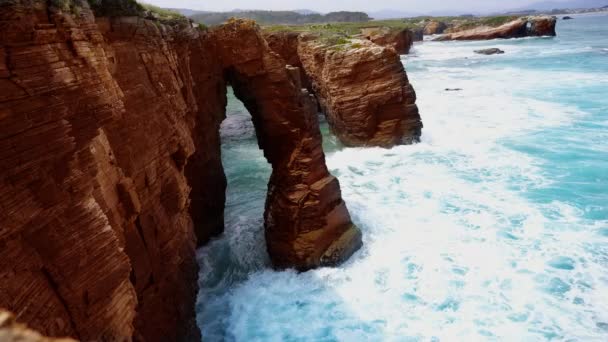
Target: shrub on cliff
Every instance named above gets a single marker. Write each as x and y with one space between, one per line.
114 8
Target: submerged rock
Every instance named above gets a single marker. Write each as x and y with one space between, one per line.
491 51
522 27
567 18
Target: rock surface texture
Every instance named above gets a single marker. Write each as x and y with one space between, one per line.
363 91
522 27
400 40
11 331
491 51
361 87
110 168
434 27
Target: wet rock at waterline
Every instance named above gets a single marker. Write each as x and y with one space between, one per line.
492 51
519 28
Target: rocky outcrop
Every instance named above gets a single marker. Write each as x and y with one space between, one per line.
285 44
364 92
491 51
522 27
362 87
434 27
11 331
110 167
307 223
418 34
401 40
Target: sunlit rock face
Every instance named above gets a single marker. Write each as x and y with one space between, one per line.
434 27
11 331
364 92
522 27
110 168
400 40
362 87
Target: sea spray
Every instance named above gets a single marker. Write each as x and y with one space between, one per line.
494 227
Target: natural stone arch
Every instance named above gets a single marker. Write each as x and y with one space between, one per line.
306 221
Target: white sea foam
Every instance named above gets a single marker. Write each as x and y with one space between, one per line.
455 248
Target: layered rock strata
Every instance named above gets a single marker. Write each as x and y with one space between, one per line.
522 27
307 223
362 87
364 92
110 167
400 40
434 27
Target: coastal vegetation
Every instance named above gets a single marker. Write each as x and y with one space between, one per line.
281 17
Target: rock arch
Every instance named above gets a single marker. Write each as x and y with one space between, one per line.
109 165
306 220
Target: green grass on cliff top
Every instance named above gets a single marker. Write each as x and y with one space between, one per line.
341 28
349 29
119 8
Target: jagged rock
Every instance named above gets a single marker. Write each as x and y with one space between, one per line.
285 44
307 223
11 331
491 51
361 87
434 27
522 27
418 34
110 168
401 40
364 92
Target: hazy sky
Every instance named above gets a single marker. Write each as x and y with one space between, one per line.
463 6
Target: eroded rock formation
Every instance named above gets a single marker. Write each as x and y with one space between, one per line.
110 167
307 223
400 40
363 91
522 27
11 331
362 87
434 27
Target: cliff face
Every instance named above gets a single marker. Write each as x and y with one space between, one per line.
364 93
400 40
63 265
523 27
362 87
110 168
434 27
307 223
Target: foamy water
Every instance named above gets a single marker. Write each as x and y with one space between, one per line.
494 227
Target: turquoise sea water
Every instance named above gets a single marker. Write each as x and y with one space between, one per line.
494 227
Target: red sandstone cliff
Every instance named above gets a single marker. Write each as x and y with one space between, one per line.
400 40
362 87
110 168
364 92
434 27
522 27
